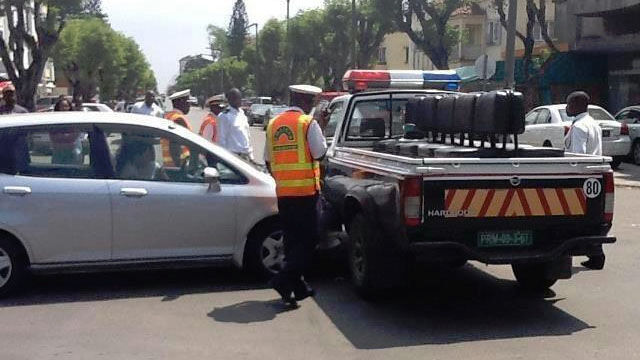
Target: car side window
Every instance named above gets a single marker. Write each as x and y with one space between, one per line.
153 155
623 115
633 117
369 120
544 117
532 117
58 152
336 113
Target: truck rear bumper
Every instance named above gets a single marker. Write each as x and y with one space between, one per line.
437 251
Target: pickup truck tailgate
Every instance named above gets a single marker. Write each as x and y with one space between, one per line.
543 208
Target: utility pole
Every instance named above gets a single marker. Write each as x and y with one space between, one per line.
288 1
510 63
354 34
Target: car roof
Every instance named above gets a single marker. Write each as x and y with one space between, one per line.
632 107
78 117
563 106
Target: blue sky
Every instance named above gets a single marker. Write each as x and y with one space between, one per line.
167 32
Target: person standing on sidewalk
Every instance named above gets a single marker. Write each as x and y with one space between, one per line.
584 137
294 145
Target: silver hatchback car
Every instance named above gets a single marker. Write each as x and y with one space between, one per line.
117 190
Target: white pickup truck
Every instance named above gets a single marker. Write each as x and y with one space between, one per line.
428 176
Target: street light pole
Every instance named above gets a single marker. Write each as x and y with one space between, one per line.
510 63
354 34
288 1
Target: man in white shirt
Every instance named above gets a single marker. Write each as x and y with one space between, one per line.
148 106
584 137
233 127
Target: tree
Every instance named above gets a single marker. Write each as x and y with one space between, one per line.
93 8
270 67
435 36
218 41
213 79
373 25
536 13
36 38
95 58
237 33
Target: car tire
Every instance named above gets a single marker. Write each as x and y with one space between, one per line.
635 152
264 252
533 276
547 144
617 160
374 266
13 266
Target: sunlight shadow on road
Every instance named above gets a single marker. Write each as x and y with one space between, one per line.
462 306
249 311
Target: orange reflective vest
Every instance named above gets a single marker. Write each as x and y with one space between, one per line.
294 169
177 117
210 120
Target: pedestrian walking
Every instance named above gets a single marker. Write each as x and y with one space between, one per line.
10 105
584 137
174 155
148 106
294 145
209 127
233 127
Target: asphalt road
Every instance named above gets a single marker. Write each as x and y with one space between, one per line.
476 312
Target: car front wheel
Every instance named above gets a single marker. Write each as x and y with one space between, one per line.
12 267
264 254
635 152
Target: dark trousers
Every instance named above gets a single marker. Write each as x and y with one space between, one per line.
300 221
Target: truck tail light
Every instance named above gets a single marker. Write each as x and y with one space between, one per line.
624 130
412 201
609 197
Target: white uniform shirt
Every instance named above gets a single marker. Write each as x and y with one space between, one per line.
585 136
233 132
315 139
142 108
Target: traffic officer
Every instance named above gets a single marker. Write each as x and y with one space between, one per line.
294 145
173 154
584 137
209 127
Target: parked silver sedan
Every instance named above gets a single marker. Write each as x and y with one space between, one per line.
630 118
140 192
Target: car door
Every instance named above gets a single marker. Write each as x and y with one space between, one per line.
632 119
545 130
167 211
529 135
54 196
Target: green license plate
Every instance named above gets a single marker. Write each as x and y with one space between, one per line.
505 238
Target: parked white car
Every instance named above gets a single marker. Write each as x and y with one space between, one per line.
547 126
630 117
104 195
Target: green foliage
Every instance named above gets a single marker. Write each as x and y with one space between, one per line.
218 41
215 78
237 33
95 57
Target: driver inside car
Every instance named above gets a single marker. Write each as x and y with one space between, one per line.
137 161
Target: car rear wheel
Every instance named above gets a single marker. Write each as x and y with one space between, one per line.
635 152
13 267
533 276
264 254
374 266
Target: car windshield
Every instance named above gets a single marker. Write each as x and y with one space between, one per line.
595 113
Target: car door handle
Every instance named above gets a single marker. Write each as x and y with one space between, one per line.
133 192
17 190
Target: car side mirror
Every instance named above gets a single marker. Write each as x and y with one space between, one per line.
212 177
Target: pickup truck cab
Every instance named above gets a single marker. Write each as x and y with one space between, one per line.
428 176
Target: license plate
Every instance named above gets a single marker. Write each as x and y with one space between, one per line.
606 133
505 238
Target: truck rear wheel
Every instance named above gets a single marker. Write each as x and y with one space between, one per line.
374 266
533 276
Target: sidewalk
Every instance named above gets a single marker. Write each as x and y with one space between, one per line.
628 175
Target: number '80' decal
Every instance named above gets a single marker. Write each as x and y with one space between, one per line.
592 188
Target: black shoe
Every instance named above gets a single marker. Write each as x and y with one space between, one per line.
594 263
302 290
284 291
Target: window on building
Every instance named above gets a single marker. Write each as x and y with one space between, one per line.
406 54
494 33
382 55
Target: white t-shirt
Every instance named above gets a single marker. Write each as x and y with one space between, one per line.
585 136
142 108
233 132
315 139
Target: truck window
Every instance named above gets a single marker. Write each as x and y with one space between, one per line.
377 119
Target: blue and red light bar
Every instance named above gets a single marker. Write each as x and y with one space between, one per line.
362 80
